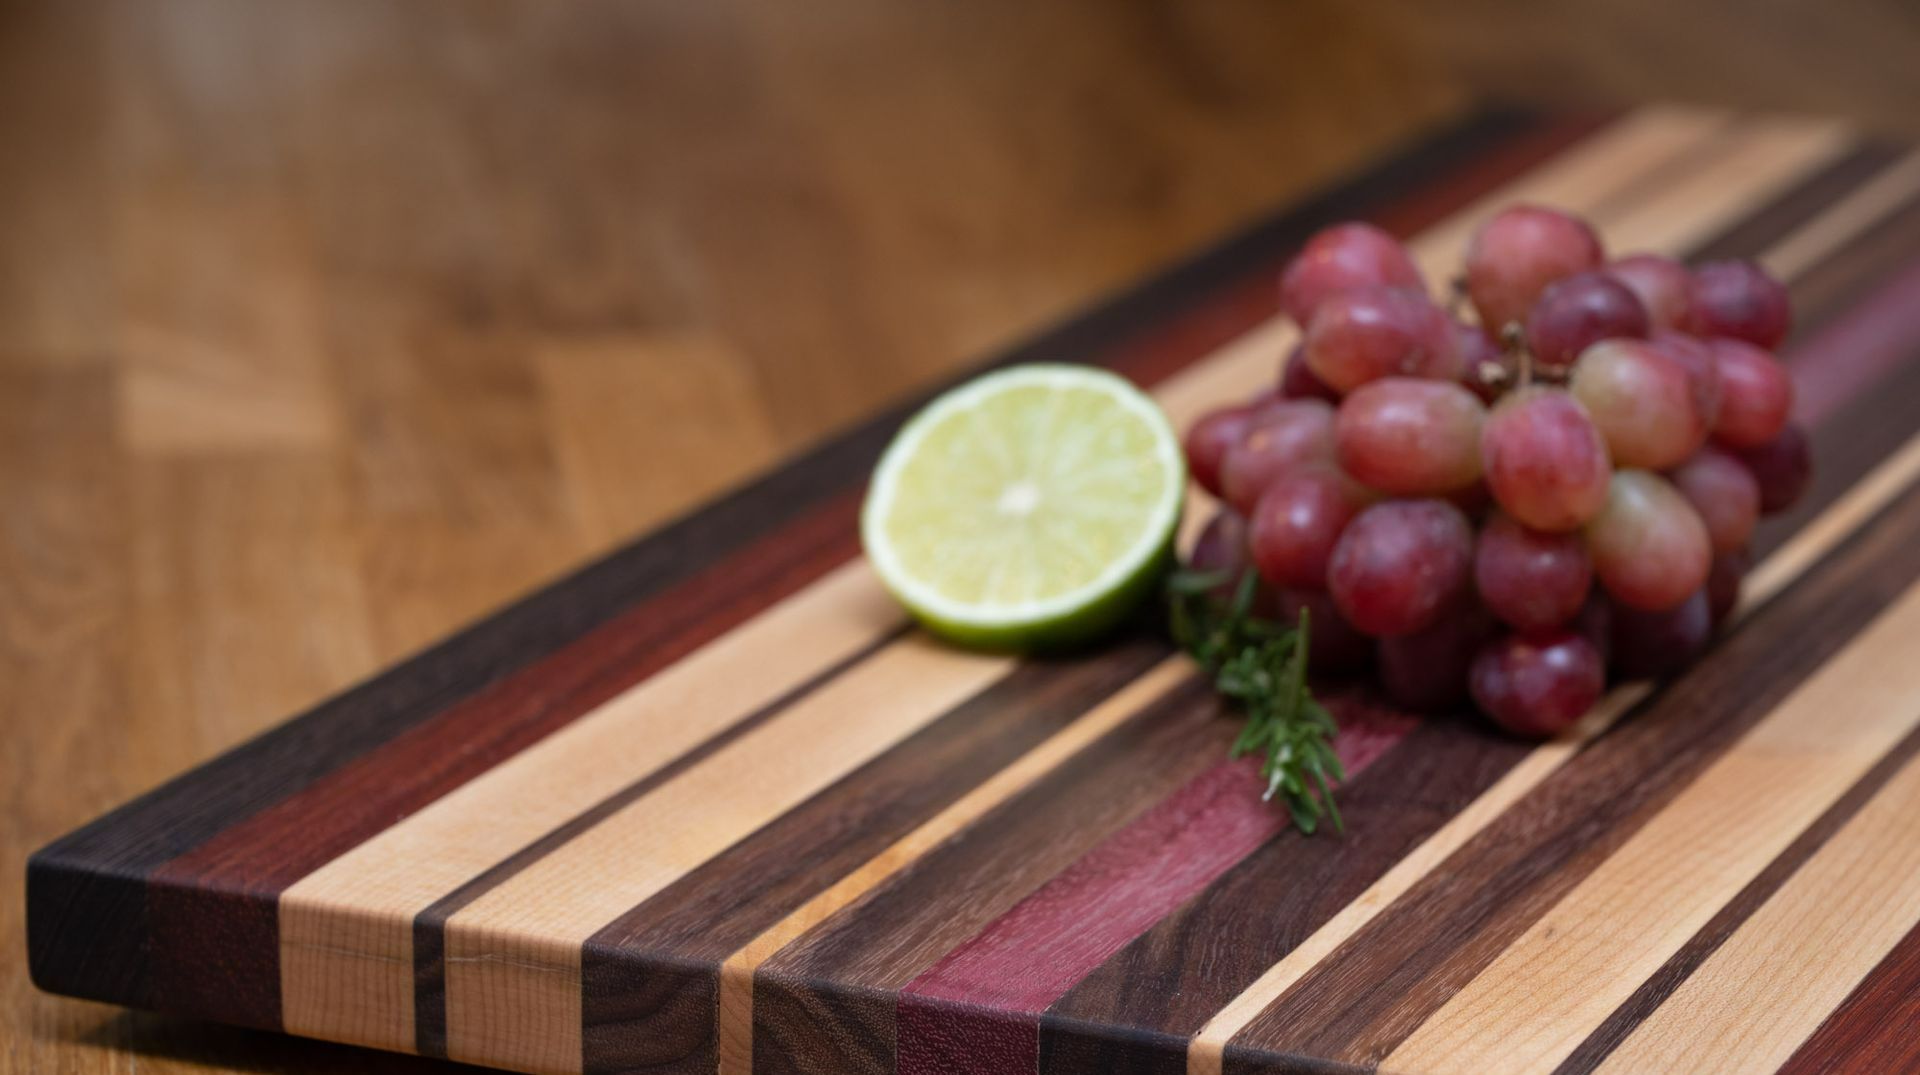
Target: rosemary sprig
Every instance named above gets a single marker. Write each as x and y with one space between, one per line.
1262 665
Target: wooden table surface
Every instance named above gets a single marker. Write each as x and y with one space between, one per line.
325 329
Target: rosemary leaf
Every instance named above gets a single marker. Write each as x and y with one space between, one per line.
1261 665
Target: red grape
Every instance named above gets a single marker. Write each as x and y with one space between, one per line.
1756 395
1642 402
1373 332
1400 564
1485 369
1703 373
1651 645
1296 522
1722 490
1575 313
1518 252
1284 436
1427 670
1209 439
1298 381
1649 547
1341 258
1222 547
1531 579
1545 462
1782 467
1723 583
1594 622
1663 285
1738 299
1410 437
1537 685
1333 644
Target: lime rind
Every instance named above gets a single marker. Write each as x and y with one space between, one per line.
1098 457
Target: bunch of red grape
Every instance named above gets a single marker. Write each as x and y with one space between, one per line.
1507 508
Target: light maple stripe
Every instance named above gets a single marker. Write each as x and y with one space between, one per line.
513 954
346 938
1785 152
1751 1004
1547 991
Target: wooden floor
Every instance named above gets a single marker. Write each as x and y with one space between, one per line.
325 327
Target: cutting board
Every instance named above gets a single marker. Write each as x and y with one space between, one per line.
711 803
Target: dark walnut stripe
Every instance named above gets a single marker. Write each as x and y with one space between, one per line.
1655 991
1365 998
689 579
828 1001
1136 1013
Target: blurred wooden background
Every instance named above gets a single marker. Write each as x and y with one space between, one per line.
327 326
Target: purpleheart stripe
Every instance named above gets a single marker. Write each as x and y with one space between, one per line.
978 1009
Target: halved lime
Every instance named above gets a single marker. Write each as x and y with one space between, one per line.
1030 508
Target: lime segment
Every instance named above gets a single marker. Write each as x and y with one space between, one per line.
1030 507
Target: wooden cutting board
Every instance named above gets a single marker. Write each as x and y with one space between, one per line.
712 803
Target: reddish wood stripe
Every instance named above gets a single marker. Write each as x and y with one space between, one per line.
1138 1009
1863 347
867 952
977 1009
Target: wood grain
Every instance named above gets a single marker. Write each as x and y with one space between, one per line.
1553 985
1799 954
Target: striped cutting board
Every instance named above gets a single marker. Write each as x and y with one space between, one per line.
712 804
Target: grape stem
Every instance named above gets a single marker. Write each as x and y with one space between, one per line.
1516 340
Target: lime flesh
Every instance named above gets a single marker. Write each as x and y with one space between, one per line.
1031 508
